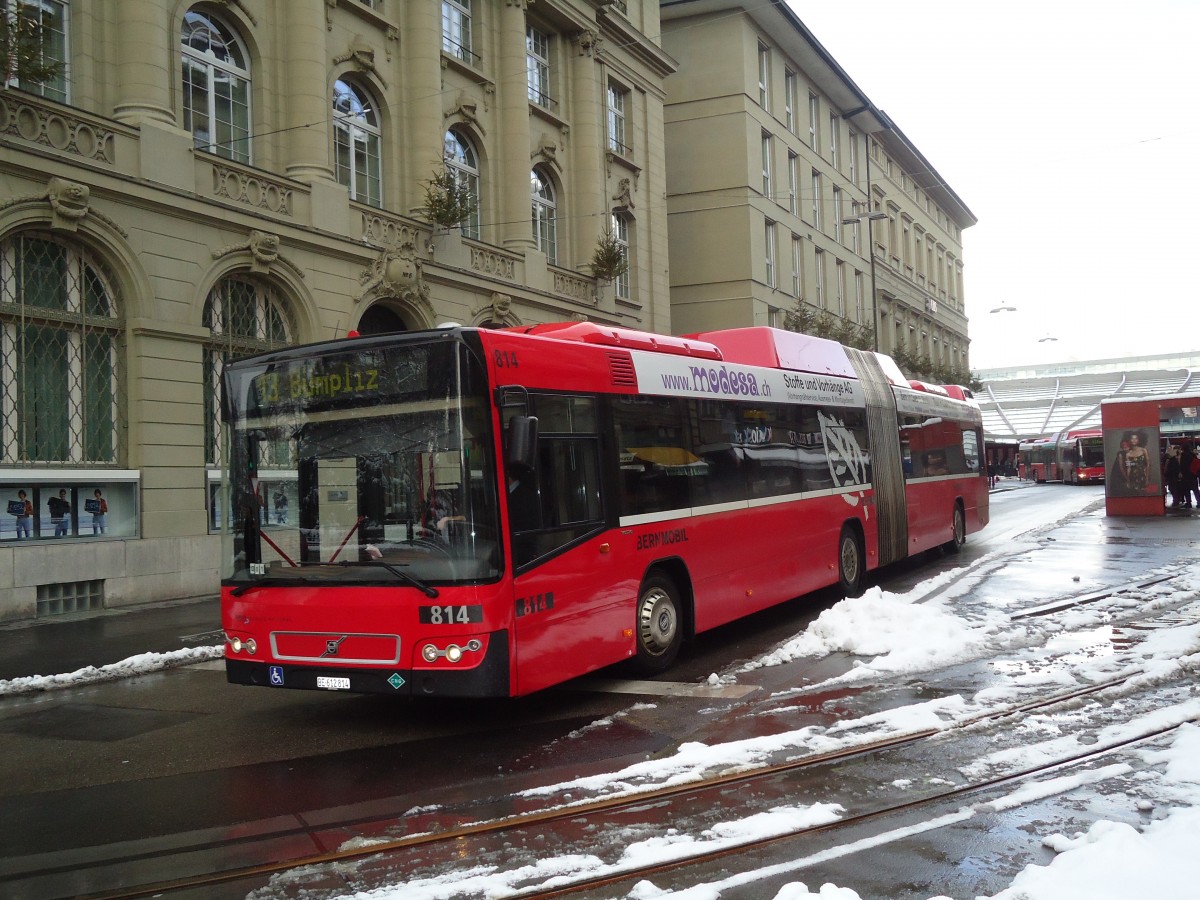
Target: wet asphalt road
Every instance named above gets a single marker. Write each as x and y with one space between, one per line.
140 766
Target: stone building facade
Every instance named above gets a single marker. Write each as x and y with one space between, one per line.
208 179
787 186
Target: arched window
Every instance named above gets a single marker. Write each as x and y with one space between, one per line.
245 315
545 232
620 231
59 354
216 87
356 143
461 163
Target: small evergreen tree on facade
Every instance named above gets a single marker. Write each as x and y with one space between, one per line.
23 40
448 201
608 260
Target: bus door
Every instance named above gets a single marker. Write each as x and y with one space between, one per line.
569 614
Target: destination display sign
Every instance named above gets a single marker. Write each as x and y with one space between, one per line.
341 379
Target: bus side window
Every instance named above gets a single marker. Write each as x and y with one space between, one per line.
653 453
970 449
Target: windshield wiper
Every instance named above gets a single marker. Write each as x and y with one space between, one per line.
398 572
262 582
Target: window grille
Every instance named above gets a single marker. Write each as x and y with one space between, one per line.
69 597
59 355
245 316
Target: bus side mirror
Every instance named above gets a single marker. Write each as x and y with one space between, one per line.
521 452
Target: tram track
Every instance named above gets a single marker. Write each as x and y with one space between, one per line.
111 879
604 808
633 875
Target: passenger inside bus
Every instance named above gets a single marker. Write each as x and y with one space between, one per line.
439 513
523 503
935 463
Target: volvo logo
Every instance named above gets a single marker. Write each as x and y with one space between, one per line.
331 646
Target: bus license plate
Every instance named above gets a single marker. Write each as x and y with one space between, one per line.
333 684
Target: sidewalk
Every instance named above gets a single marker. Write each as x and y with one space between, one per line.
68 643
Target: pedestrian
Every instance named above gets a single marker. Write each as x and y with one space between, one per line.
1173 477
23 510
60 512
99 511
281 506
1187 472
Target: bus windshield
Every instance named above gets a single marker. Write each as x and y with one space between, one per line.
1091 452
361 463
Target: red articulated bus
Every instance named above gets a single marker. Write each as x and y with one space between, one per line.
474 512
1072 457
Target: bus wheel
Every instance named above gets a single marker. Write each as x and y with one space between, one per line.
659 634
958 528
852 570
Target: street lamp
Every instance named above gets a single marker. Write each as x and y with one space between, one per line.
1004 308
1046 338
869 216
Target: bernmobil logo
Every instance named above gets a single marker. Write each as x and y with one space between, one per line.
657 539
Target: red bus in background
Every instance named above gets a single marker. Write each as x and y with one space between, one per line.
473 512
1074 457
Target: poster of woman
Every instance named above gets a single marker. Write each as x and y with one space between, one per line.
1131 459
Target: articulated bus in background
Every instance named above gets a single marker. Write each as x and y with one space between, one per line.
1072 457
472 512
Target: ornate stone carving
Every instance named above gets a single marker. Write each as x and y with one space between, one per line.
623 198
489 263
587 42
253 190
501 306
397 272
263 248
573 287
495 311
69 203
26 119
465 109
383 231
362 56
547 152
69 200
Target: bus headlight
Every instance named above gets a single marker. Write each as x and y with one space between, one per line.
251 646
235 644
429 653
453 653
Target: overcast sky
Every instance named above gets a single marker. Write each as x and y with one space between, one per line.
1069 129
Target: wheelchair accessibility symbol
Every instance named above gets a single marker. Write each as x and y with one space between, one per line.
276 675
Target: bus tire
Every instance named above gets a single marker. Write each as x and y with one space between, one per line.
659 628
958 530
852 563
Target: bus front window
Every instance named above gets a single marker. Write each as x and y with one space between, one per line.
395 477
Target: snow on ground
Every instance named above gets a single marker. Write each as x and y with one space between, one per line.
894 634
141 664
